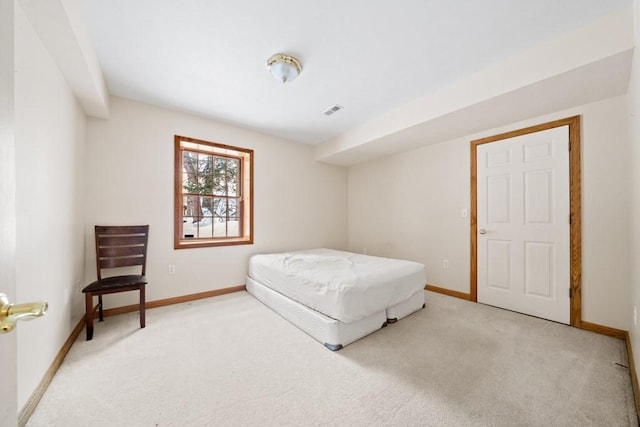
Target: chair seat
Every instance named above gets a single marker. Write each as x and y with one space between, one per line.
115 282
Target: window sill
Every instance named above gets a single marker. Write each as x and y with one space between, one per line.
204 243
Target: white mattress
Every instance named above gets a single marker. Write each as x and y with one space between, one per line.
342 285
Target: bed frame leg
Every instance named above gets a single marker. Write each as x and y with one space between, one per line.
394 320
333 347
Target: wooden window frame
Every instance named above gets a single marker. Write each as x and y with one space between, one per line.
245 207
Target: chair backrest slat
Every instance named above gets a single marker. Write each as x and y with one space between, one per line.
120 262
121 246
121 251
122 229
124 239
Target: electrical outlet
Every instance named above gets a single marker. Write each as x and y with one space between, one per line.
364 251
445 264
171 269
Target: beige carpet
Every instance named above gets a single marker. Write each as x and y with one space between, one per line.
230 361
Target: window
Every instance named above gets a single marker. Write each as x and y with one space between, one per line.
213 194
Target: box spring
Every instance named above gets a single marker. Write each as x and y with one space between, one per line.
330 332
406 307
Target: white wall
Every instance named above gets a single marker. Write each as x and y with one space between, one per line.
634 140
298 203
8 343
50 135
408 206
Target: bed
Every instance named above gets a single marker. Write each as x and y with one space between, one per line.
336 297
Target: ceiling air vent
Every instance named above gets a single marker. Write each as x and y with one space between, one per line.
333 109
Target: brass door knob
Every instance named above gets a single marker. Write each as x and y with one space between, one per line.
11 313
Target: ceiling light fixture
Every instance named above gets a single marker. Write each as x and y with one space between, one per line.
284 68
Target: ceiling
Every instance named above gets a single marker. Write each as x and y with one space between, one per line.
207 57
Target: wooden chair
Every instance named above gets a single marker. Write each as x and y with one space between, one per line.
117 246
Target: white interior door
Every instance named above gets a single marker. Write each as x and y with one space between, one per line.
8 388
523 224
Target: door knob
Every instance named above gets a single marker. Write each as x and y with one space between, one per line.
482 231
11 313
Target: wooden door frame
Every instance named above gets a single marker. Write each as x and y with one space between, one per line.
575 227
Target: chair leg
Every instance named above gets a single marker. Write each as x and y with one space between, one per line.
142 308
88 317
100 313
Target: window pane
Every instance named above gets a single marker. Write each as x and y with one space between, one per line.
233 167
220 206
205 173
219 174
191 206
190 172
206 207
206 218
205 228
205 164
185 183
220 228
188 231
232 207
233 227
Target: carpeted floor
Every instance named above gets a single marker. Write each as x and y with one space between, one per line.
231 361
